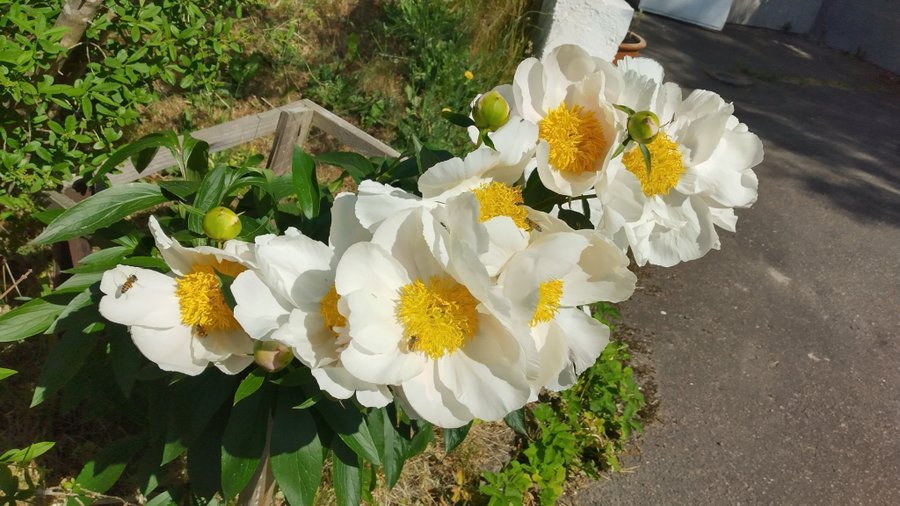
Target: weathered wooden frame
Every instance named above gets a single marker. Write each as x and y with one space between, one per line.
291 124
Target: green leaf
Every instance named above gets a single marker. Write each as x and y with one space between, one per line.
26 455
5 373
147 143
194 401
457 119
63 362
243 442
453 437
575 219
346 474
79 282
296 452
31 318
103 471
358 166
103 260
196 155
537 196
420 441
391 447
515 420
225 282
125 358
303 177
179 189
646 154
204 459
212 190
250 384
351 427
100 210
627 110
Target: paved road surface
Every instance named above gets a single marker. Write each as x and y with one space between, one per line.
777 358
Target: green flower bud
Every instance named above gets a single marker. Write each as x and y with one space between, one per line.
490 111
643 126
221 224
271 355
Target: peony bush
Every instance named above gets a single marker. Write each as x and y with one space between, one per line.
260 319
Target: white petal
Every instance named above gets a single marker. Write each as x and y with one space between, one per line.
305 333
432 401
297 268
372 322
376 202
368 267
377 396
391 367
585 336
345 227
136 296
487 375
169 348
258 311
556 181
234 364
601 274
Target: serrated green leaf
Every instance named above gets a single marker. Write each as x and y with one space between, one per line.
303 179
29 319
100 210
296 452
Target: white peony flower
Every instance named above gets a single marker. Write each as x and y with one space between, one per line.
423 316
290 298
569 96
180 320
546 283
701 169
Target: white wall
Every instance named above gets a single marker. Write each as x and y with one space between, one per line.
791 15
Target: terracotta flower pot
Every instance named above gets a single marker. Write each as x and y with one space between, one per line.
631 46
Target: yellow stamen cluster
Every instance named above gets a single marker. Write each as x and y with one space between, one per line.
438 316
328 308
548 303
575 137
202 304
666 165
497 199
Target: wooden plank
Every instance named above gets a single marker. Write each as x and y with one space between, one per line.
347 133
220 137
293 126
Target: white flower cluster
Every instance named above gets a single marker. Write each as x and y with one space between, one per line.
463 302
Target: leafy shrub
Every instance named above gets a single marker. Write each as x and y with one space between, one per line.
579 430
62 111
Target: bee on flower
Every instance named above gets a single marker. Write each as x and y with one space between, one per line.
180 320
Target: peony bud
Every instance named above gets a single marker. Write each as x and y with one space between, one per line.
221 224
490 111
272 355
643 126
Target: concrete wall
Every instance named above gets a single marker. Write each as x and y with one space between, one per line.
868 28
596 25
791 15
